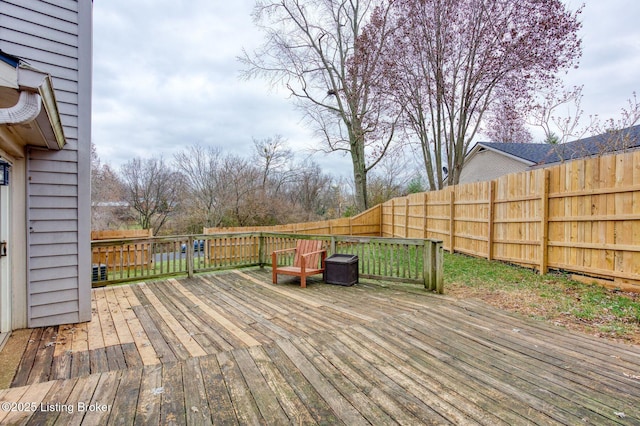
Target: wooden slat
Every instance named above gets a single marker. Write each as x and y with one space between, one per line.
102 399
183 335
27 360
244 404
172 408
123 410
150 395
145 349
119 321
217 317
343 409
217 391
265 399
44 360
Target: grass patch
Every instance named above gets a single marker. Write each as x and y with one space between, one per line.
552 297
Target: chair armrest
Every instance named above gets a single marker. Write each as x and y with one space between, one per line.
304 258
313 252
275 253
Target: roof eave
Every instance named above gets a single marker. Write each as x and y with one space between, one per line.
506 154
33 85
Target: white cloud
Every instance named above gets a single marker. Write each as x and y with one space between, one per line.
166 76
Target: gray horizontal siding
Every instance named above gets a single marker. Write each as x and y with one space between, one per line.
61 313
29 40
45 251
54 285
51 7
52 238
46 276
54 297
27 12
44 190
62 179
55 36
54 261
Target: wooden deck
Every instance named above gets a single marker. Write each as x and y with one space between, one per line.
232 348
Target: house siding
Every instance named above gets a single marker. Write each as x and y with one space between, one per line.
488 165
55 37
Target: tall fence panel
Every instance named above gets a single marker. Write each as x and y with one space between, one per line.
581 216
366 224
517 218
594 217
470 218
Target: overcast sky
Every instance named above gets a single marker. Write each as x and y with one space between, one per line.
166 76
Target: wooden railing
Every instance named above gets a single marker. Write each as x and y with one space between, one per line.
408 260
581 216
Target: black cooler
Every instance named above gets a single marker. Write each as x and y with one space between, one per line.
341 269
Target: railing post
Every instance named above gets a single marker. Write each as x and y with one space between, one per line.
428 265
439 270
433 266
190 256
261 250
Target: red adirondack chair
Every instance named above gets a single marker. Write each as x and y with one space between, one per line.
308 260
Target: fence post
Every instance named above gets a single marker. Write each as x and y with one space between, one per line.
452 220
190 256
433 266
439 270
406 217
393 218
425 199
490 225
544 223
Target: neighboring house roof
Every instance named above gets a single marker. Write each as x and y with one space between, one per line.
489 160
539 154
528 153
613 141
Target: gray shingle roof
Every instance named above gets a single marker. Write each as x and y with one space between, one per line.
533 152
615 141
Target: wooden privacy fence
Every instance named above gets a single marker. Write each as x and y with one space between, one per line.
582 216
365 224
408 260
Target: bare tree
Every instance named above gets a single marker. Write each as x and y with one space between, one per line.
201 167
311 48
310 192
275 158
108 209
610 135
558 113
452 58
151 190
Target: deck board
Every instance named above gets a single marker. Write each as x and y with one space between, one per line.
233 348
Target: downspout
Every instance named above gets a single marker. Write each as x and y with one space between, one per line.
26 110
35 90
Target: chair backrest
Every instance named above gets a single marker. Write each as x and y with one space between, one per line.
308 246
